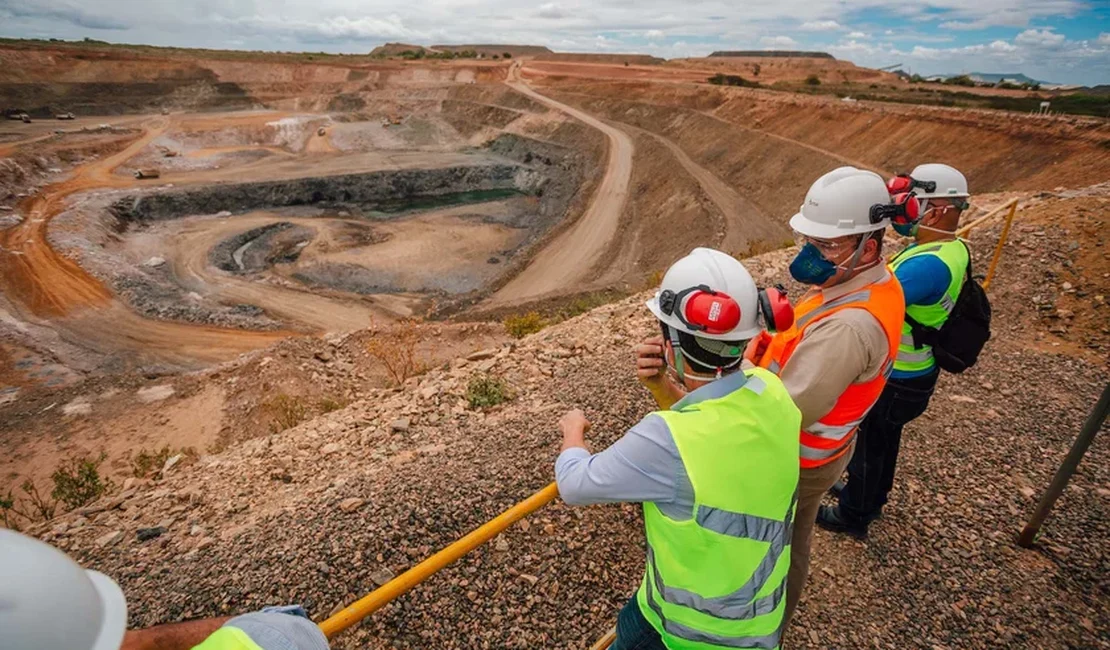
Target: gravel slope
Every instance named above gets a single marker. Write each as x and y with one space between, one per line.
272 520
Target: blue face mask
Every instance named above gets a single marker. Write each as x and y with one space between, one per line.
905 229
810 266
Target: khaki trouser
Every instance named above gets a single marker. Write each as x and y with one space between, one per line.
812 485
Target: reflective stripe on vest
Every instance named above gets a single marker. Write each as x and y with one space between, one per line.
738 449
765 642
954 255
831 436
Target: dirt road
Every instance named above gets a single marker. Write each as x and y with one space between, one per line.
744 221
570 259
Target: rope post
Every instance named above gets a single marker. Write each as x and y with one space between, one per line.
1067 469
1001 243
382 596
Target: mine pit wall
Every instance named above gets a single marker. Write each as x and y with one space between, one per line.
44 81
347 190
996 150
560 177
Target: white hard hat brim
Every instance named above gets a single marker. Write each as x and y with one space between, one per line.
114 605
735 335
803 226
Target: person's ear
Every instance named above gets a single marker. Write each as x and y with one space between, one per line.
871 248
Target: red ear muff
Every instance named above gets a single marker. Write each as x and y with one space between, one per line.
778 314
903 211
702 309
709 311
898 184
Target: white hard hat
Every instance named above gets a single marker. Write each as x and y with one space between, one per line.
950 182
839 204
718 272
48 602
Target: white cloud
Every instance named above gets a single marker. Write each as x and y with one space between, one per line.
923 37
778 42
820 26
1041 38
551 10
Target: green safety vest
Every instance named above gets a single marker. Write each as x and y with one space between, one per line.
228 638
718 579
954 254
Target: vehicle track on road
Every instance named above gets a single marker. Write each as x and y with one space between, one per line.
572 257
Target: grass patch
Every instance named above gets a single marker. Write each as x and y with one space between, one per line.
395 348
521 325
285 412
721 79
485 391
32 506
77 481
147 464
328 405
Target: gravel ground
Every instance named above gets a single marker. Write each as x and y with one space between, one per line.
324 512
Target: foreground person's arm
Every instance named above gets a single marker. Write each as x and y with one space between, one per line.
643 465
273 628
172 636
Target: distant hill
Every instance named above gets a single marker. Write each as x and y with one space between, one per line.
993 77
395 49
780 54
637 59
489 49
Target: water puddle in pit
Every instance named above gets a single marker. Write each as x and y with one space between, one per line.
394 208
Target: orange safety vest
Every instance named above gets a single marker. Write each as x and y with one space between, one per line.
829 437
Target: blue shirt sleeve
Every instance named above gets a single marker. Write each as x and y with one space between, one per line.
644 465
924 279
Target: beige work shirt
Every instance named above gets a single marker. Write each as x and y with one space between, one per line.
839 350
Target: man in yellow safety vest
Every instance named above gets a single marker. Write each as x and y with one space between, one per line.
716 472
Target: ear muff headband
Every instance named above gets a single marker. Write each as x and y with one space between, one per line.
778 314
906 183
702 309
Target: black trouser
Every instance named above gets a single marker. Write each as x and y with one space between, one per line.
633 630
871 470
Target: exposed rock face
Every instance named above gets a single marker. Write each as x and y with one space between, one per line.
358 189
258 248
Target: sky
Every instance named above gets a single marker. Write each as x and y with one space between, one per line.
1060 41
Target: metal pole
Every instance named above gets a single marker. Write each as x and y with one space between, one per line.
605 641
1001 243
380 597
962 232
1067 468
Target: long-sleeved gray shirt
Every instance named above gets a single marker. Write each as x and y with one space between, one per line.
644 464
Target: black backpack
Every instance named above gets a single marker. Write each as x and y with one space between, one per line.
958 342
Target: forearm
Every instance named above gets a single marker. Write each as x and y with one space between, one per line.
172 636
